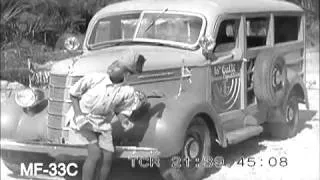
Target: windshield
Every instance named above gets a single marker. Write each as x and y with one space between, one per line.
164 27
119 27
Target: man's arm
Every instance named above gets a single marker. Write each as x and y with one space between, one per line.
127 101
125 122
76 91
76 106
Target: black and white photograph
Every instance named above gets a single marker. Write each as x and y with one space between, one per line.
159 90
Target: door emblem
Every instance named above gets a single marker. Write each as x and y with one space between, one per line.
226 86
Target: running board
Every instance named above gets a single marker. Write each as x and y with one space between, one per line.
236 136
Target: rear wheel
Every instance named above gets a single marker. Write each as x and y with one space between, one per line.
196 150
288 117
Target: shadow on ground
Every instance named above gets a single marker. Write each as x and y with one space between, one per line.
304 116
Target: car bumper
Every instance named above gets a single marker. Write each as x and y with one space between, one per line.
73 151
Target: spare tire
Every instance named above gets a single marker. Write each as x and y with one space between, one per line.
270 78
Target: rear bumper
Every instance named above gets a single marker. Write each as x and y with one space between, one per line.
73 151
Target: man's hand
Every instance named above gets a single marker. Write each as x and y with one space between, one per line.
78 117
76 121
126 124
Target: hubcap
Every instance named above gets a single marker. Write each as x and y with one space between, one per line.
192 148
277 79
290 114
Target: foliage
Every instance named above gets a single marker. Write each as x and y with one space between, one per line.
311 7
36 20
10 11
14 62
30 28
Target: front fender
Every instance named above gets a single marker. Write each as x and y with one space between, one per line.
296 83
299 87
21 124
169 120
11 113
32 126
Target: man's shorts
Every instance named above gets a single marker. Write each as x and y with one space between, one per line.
103 139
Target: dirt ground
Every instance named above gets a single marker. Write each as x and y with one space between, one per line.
299 155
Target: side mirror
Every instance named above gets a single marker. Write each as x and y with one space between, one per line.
207 44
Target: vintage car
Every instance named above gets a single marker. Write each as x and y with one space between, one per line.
216 73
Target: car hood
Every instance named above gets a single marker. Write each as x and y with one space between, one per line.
157 57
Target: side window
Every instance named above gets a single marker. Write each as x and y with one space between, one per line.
286 28
227 35
257 31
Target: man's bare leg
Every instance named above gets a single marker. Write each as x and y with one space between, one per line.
94 154
106 164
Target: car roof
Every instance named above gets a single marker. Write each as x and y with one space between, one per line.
205 7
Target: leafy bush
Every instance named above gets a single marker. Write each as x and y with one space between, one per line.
32 28
311 7
14 61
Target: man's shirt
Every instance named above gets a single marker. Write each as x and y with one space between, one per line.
101 100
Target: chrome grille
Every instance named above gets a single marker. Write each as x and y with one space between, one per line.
58 80
59 105
56 121
57 135
59 94
63 80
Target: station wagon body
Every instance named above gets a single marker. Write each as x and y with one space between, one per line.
215 71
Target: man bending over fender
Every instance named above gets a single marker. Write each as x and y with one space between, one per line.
96 100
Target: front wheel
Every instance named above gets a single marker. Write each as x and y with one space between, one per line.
194 158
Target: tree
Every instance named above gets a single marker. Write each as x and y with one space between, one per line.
311 7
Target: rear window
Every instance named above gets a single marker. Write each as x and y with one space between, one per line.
286 28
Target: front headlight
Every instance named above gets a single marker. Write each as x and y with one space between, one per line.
29 97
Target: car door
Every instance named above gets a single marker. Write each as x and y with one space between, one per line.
226 66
